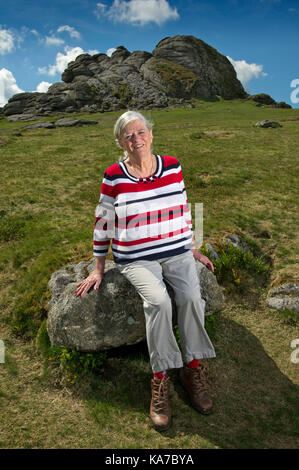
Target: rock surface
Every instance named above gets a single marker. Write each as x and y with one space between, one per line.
263 98
64 122
180 67
69 122
284 297
213 255
112 316
267 123
40 125
23 117
212 70
236 241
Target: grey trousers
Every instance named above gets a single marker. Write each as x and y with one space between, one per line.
180 272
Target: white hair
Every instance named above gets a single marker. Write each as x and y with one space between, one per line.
127 117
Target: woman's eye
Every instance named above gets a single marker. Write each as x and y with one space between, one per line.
129 136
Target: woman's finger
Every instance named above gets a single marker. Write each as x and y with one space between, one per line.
81 288
78 291
97 284
86 285
85 289
210 266
89 282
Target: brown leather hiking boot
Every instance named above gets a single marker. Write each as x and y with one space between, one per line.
193 380
160 411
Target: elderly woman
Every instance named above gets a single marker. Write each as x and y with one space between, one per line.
143 207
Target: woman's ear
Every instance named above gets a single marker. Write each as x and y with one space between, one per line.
119 143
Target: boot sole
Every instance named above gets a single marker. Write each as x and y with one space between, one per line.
162 428
202 410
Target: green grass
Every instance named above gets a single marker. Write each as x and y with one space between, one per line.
245 177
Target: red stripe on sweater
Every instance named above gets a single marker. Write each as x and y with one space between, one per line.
150 239
150 217
107 242
118 188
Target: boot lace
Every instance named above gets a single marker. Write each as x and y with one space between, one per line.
198 379
160 395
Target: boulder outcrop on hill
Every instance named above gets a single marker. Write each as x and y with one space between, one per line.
212 72
263 98
179 68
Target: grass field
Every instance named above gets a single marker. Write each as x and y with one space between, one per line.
247 179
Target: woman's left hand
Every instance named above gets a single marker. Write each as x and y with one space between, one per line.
203 259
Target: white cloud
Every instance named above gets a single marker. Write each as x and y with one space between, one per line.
246 72
100 10
138 12
6 41
69 29
52 41
110 51
8 86
93 51
43 87
62 61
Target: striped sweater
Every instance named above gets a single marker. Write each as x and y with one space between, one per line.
146 218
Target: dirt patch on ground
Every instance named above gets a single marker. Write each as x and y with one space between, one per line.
220 134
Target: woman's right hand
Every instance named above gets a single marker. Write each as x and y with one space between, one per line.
94 279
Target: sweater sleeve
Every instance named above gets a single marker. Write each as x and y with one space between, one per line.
104 221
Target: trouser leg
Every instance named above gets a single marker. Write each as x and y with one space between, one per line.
181 273
146 277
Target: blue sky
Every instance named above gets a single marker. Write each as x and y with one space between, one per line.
38 37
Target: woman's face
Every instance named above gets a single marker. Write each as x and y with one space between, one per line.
136 139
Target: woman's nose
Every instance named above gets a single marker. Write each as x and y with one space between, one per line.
135 138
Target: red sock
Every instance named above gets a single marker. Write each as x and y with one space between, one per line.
160 375
194 363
